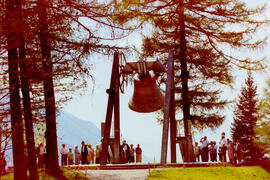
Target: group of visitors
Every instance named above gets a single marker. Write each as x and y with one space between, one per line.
226 146
86 155
127 153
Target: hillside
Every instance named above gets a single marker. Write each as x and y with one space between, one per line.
72 131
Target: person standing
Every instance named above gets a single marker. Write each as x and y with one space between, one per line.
77 155
237 152
70 157
215 146
64 153
230 150
131 153
125 148
97 153
223 147
205 154
197 152
41 155
91 154
122 156
219 154
213 151
84 153
138 151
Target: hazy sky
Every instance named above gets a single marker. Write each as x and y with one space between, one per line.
137 127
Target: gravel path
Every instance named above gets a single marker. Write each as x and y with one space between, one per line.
137 174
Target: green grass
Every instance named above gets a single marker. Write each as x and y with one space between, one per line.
69 174
211 173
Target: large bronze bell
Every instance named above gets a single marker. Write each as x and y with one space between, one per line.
146 96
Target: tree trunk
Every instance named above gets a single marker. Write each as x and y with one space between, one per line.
28 118
29 130
185 88
52 166
15 108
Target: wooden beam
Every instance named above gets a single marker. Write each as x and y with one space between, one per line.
167 107
116 146
132 67
111 102
173 126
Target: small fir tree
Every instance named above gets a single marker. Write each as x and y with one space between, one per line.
245 119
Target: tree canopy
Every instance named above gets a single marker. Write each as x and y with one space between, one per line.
203 33
48 43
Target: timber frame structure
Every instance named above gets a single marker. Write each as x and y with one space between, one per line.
111 146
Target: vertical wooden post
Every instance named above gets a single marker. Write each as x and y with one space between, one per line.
116 114
112 101
173 126
167 107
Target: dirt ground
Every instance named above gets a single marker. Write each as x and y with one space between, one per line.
138 174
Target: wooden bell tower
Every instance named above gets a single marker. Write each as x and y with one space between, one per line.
111 146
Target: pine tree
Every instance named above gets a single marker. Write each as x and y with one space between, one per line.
245 119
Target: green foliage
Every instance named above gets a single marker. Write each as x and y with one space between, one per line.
58 36
211 173
245 119
262 128
76 31
203 31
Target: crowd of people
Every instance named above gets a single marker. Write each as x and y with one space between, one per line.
88 155
226 147
85 155
127 153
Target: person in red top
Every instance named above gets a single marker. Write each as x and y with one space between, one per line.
138 151
41 155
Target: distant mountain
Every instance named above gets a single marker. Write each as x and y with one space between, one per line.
72 131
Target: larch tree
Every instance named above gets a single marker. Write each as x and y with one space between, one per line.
10 29
245 119
202 34
26 99
63 53
57 43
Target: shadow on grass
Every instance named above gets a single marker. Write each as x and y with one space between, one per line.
67 175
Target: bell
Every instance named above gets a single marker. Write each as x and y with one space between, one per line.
146 96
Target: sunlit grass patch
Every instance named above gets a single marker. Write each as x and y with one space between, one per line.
209 173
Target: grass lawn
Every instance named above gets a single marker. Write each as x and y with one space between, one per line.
209 173
69 174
